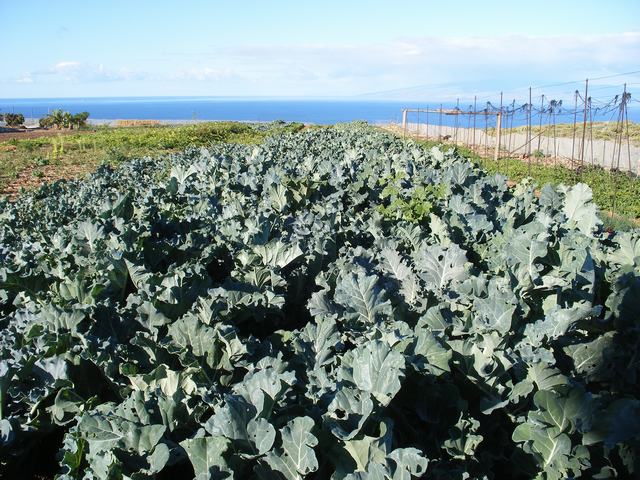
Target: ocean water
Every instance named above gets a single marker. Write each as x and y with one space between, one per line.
211 108
262 110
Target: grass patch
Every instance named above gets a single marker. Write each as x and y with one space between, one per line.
26 162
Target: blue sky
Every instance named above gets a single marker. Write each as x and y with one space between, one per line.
367 49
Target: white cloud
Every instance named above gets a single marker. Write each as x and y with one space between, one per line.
204 74
58 69
26 78
65 66
412 68
450 65
79 72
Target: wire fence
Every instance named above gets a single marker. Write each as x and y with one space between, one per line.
588 127
587 132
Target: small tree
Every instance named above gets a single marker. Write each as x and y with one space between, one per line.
14 119
46 122
61 119
57 118
80 119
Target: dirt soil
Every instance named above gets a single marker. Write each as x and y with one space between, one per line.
21 134
50 173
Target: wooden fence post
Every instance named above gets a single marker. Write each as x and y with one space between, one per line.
404 123
498 135
500 120
475 109
529 130
584 122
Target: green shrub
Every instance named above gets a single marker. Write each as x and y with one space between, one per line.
14 119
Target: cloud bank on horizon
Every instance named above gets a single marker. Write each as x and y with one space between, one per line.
395 63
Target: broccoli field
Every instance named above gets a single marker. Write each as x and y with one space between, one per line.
331 304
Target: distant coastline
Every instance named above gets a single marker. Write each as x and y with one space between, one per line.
184 110
113 122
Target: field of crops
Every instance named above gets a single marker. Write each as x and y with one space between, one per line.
616 193
331 304
55 154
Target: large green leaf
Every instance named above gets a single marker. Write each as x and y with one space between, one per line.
347 412
362 299
377 369
367 451
400 464
264 388
105 433
523 252
547 431
557 322
207 457
589 358
394 264
236 420
440 267
463 439
545 377
580 209
318 341
409 463
629 251
496 310
296 457
430 354
278 254
553 447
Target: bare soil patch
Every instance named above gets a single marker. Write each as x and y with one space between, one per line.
27 134
31 178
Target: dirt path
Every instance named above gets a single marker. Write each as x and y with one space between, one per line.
23 134
28 179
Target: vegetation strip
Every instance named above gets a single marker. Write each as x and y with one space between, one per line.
71 153
616 193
